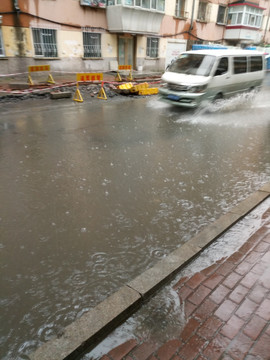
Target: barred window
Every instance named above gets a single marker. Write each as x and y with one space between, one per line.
2 53
45 42
152 47
92 44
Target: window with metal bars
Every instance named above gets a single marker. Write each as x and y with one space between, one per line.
91 45
2 53
152 47
45 44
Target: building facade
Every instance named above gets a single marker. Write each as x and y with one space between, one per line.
97 35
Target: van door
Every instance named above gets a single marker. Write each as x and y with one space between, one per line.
221 83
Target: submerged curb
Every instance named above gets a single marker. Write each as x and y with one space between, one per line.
86 332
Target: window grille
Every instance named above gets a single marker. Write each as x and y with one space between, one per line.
45 42
152 47
1 44
92 44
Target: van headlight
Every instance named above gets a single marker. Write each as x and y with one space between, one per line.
197 88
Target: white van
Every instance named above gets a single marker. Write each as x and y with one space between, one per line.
199 75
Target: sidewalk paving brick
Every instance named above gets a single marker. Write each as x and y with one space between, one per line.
227 310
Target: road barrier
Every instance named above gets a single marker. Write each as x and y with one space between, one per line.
39 68
89 77
124 67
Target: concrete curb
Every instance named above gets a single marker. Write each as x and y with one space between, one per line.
86 332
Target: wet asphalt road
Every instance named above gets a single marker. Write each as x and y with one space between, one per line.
94 193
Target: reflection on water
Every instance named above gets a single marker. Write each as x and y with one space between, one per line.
93 195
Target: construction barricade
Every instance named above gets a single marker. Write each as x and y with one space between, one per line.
126 68
89 77
39 68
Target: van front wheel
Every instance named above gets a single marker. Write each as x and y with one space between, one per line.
218 98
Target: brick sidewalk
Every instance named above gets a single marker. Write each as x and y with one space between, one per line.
227 310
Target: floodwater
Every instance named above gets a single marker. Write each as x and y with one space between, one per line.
94 193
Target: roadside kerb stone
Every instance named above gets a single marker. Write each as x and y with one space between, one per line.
86 332
91 327
213 231
265 188
152 279
250 203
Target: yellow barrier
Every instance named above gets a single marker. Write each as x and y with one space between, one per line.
124 67
77 95
150 91
126 86
84 77
36 68
139 87
88 77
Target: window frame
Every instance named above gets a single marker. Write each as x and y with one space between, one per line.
150 49
222 69
151 5
202 13
180 9
238 65
253 63
88 54
40 47
244 15
224 7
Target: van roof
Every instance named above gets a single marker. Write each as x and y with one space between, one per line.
225 52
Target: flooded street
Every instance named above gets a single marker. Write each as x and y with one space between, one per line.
92 194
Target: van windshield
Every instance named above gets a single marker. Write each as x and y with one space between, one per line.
193 64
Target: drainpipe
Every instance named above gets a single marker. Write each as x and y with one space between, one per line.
17 25
192 15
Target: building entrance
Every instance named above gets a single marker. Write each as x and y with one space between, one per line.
126 50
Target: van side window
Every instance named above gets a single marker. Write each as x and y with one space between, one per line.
240 64
222 67
256 63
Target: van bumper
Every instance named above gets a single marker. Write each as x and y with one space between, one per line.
189 100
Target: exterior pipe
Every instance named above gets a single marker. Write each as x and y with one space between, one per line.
192 15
